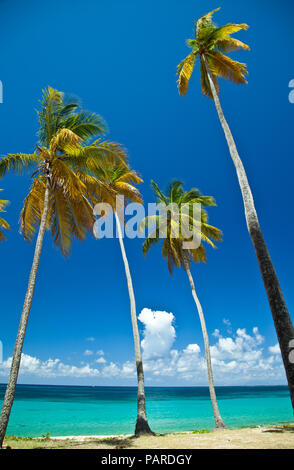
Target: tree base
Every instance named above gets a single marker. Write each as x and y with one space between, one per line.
219 425
142 427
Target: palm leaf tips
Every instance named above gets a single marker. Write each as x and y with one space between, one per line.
3 223
213 42
185 70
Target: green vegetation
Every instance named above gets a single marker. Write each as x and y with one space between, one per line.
201 431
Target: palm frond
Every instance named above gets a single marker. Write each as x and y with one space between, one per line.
185 70
51 105
175 190
18 162
230 45
65 178
64 140
159 194
211 232
82 218
224 31
130 176
94 157
61 224
3 224
69 218
32 210
56 113
129 191
3 203
205 85
151 240
85 124
204 22
96 189
198 254
227 68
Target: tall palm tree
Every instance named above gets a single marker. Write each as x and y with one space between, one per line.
58 199
115 181
3 223
210 44
173 227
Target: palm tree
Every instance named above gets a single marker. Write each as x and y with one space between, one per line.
58 199
173 225
116 181
210 44
3 223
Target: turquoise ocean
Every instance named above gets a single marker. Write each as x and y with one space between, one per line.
74 410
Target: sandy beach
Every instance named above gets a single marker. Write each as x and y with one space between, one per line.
272 437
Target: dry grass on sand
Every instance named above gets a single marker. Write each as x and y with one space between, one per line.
274 437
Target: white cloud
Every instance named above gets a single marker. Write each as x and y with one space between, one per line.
100 352
158 334
192 349
241 359
91 338
242 348
128 370
237 358
101 360
88 352
112 370
275 349
216 333
50 368
228 324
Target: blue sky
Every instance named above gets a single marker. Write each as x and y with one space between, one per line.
120 58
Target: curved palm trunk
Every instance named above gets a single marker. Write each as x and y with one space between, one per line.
11 386
281 317
217 417
142 426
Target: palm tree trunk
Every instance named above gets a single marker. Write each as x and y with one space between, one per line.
217 417
11 386
142 426
281 317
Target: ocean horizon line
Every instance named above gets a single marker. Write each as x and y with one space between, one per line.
147 386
